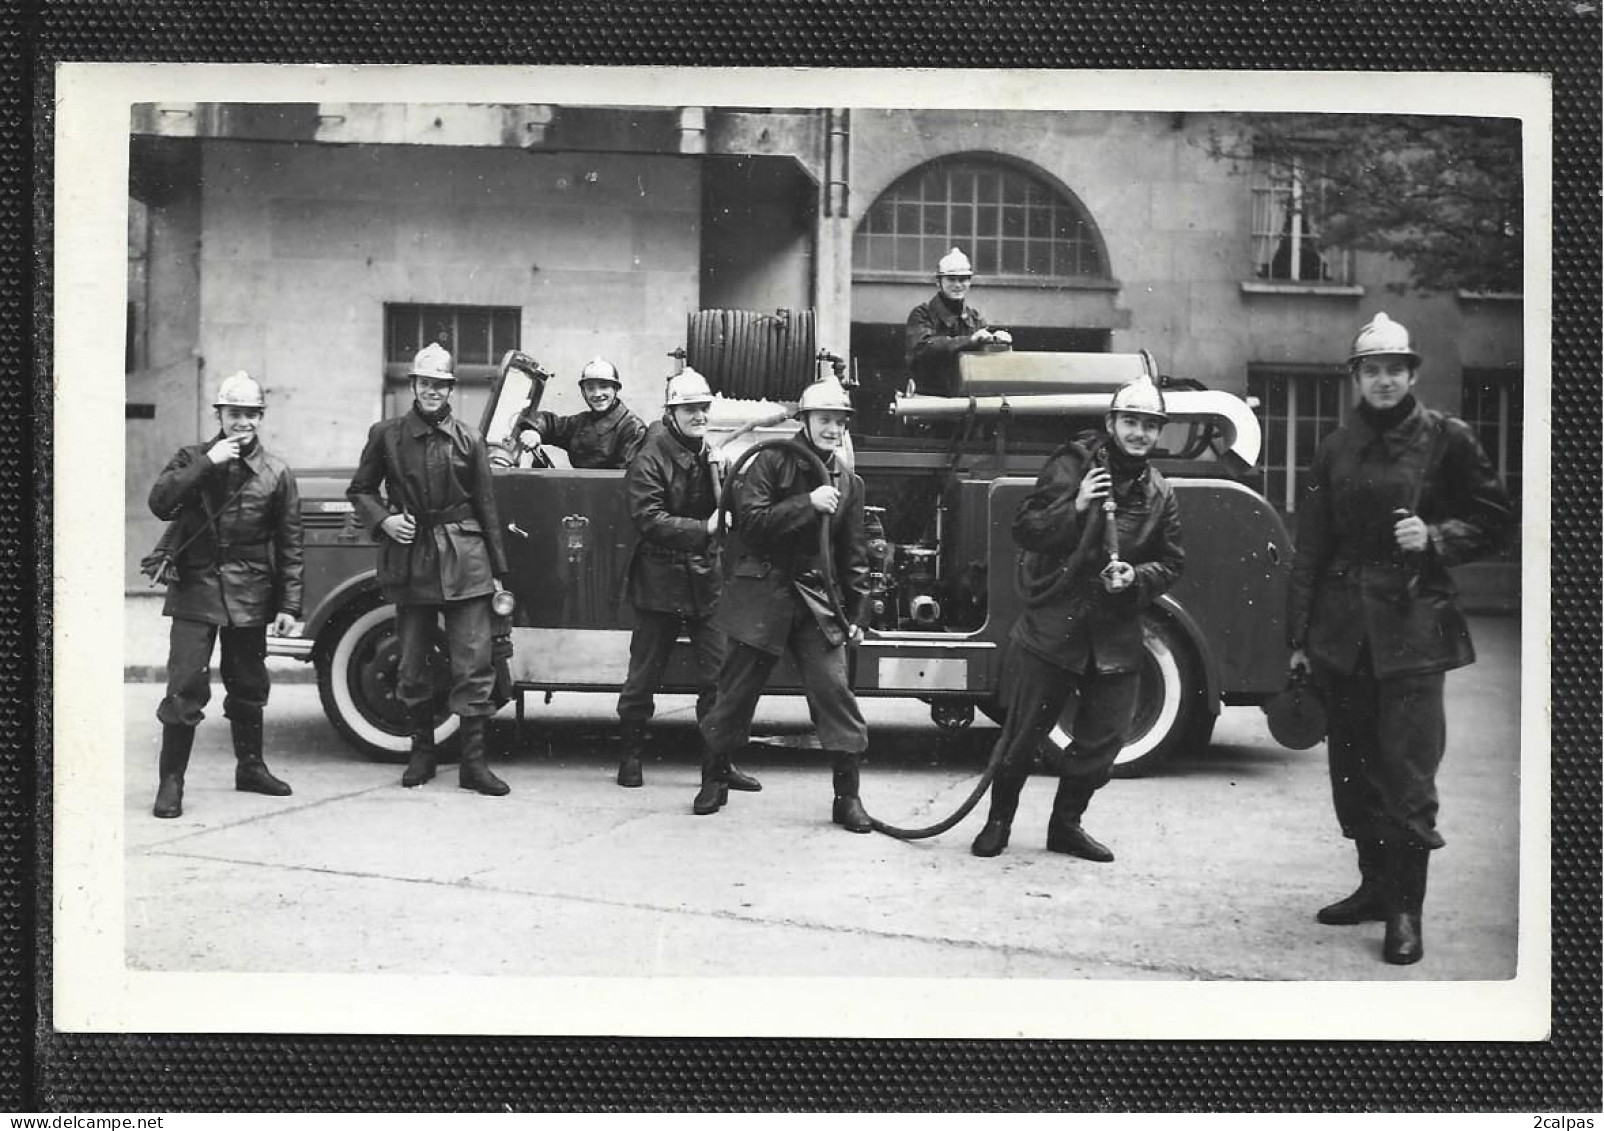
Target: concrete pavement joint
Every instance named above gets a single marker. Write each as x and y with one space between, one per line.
1181 970
281 811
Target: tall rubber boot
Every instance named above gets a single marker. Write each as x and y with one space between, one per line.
847 810
1006 785
714 793
177 741
1368 902
251 774
1404 943
472 772
423 760
631 741
1064 833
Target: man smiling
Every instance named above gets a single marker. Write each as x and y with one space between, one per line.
238 556
606 435
1102 540
945 326
423 490
778 601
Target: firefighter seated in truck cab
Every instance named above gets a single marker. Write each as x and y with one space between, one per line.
606 435
945 326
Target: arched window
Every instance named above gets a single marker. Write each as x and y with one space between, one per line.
1008 222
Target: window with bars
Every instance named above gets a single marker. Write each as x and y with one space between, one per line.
1297 408
1290 196
1492 405
476 336
1006 221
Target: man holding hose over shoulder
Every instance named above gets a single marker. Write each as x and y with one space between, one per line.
1102 541
781 599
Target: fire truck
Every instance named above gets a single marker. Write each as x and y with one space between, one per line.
944 477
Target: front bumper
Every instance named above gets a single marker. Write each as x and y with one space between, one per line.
295 647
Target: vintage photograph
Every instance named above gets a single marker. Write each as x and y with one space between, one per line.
677 552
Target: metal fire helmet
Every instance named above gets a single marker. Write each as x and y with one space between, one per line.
687 387
1296 716
1140 397
954 262
1381 336
600 369
239 390
433 361
824 395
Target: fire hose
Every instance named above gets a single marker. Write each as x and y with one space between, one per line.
827 567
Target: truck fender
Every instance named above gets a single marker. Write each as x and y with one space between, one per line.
1177 613
356 587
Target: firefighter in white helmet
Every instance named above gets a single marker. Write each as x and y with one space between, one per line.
606 435
781 599
1101 536
234 539
1395 496
423 490
943 327
675 570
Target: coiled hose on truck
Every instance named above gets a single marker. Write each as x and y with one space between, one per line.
827 565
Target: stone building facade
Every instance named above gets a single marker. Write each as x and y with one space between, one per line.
318 245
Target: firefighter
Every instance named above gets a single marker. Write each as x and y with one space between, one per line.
440 555
674 573
776 601
1101 537
1396 495
605 435
238 551
943 327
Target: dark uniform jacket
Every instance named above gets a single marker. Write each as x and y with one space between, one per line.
934 337
778 561
1069 619
440 475
592 440
675 567
242 520
1351 585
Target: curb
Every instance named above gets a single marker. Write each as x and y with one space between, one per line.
157 673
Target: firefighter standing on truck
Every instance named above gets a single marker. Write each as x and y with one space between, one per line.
1102 540
606 435
440 555
776 601
675 571
945 326
237 550
1396 496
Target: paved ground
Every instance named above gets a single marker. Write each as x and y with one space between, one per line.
1222 860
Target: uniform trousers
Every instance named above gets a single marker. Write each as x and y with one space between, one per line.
1385 740
823 670
1038 694
468 636
650 646
189 658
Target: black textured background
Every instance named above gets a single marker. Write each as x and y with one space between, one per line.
44 1070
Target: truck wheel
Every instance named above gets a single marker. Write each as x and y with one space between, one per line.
1171 713
356 678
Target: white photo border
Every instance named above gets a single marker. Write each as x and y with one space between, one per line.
93 991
